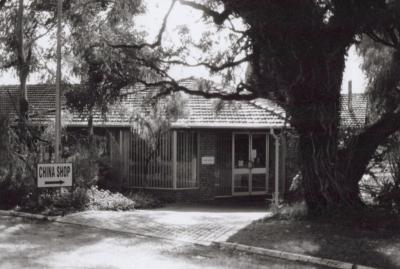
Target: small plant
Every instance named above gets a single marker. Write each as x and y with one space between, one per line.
145 200
296 210
106 200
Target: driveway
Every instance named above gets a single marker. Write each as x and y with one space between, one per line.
40 244
195 223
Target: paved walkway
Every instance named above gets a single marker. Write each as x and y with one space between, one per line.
50 245
191 223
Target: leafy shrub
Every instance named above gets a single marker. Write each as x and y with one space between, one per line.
382 188
15 190
295 193
296 210
75 201
106 200
109 176
85 168
16 166
145 200
389 197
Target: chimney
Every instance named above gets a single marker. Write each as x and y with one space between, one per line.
350 97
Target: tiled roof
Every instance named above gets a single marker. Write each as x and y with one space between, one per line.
356 116
199 112
212 113
41 101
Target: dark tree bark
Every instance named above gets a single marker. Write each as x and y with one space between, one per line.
23 62
298 58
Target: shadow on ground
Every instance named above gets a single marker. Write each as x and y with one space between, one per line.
366 246
33 244
229 204
200 222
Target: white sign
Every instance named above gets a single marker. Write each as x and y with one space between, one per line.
253 154
50 175
207 160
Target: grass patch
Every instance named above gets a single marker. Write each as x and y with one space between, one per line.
370 237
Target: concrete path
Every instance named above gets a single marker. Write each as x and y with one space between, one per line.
201 224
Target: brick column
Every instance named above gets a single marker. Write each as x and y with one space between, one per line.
207 172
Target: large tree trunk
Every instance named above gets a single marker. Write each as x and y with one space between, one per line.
23 64
326 179
315 113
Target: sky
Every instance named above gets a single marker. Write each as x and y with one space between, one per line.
152 20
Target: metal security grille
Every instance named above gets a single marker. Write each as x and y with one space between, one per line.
169 162
150 163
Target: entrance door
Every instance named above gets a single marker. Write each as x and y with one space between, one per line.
249 163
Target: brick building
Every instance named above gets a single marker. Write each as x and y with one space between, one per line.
212 149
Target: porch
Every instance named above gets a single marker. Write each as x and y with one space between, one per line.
194 164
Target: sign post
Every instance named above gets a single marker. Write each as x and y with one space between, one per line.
51 175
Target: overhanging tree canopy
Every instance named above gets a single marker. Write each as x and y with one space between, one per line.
297 52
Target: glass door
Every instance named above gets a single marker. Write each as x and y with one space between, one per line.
241 169
258 160
249 163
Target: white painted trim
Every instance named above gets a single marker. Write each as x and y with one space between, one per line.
277 172
276 196
267 163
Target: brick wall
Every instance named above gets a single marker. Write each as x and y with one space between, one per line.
207 172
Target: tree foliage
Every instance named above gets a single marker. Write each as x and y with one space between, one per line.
22 24
297 53
101 70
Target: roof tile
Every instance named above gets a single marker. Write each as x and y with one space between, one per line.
202 112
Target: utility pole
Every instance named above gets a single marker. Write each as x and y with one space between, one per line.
58 84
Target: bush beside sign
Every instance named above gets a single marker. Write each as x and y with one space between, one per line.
50 175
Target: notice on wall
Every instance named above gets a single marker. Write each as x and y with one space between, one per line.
50 175
208 160
253 154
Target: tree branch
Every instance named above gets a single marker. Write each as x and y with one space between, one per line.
218 18
156 43
170 86
378 39
213 68
363 145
